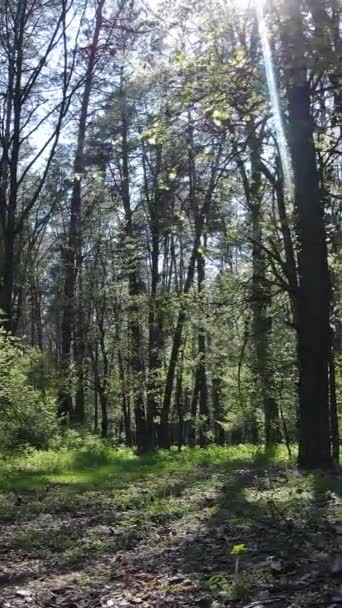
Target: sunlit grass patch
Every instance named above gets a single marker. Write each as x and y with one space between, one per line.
98 476
103 464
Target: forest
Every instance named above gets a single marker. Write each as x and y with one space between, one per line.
170 298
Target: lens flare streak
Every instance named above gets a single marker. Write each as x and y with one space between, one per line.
274 98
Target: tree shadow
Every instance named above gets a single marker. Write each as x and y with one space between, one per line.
283 546
235 520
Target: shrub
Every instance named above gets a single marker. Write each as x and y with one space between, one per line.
28 414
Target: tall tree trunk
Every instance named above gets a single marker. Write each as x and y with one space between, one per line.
262 325
73 248
104 411
96 409
335 436
155 199
7 280
155 346
80 351
135 284
179 400
202 352
9 166
164 438
260 295
289 250
313 296
126 409
22 89
194 417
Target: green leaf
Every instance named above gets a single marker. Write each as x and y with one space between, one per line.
238 549
179 57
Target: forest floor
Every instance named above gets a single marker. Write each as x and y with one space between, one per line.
114 531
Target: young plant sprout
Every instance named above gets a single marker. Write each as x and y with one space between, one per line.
237 550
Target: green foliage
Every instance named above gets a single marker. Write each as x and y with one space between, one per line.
27 413
73 440
238 549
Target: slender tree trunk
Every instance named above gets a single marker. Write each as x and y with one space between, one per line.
155 347
80 351
73 248
194 409
179 400
290 257
96 409
10 161
136 287
218 409
155 203
127 421
164 439
202 352
7 283
335 437
200 216
104 412
126 410
260 297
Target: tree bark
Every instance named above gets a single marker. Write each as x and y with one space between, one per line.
313 330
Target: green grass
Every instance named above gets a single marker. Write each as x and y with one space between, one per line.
116 466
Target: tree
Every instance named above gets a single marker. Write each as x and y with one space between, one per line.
314 286
26 110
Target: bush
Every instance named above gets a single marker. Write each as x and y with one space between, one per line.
88 450
28 414
72 439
